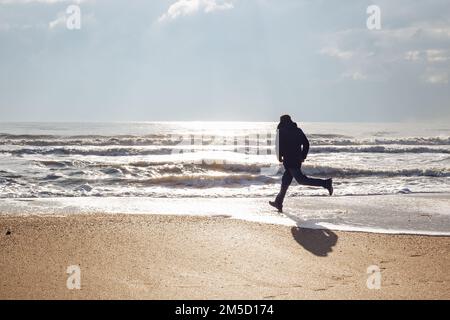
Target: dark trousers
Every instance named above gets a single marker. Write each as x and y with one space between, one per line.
296 172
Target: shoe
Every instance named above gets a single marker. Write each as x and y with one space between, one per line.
329 186
276 205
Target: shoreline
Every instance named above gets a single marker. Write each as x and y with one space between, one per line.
416 214
185 257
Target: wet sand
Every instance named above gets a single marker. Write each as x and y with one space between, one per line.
182 257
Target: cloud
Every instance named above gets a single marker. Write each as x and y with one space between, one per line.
429 55
336 53
413 55
435 76
356 75
436 55
190 7
389 53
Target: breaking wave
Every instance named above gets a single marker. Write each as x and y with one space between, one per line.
213 167
52 165
171 140
166 150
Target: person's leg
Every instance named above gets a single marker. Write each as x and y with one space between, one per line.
307 181
285 183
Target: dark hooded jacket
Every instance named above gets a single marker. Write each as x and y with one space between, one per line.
293 146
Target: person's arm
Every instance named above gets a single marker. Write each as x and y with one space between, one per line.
305 145
277 146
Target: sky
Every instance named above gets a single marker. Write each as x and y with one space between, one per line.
237 60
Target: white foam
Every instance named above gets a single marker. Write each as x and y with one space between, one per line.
391 214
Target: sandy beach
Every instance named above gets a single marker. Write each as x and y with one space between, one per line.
224 149
182 257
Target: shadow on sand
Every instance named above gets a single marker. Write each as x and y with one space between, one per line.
316 239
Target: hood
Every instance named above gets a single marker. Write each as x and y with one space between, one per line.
287 125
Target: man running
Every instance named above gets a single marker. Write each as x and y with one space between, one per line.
292 150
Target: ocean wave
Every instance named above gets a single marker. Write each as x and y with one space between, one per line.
88 140
172 140
158 169
378 149
196 181
355 172
410 141
107 152
249 150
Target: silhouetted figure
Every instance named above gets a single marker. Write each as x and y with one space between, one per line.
292 150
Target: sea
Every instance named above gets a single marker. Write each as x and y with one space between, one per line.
212 160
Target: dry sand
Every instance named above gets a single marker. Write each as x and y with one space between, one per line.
180 257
